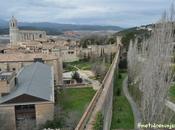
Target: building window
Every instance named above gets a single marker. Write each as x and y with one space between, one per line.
13 69
4 94
16 80
40 36
70 52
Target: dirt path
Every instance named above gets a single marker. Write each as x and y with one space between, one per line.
95 83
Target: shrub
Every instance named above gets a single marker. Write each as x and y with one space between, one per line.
99 122
118 91
120 76
76 76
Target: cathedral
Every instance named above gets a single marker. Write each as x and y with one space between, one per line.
19 36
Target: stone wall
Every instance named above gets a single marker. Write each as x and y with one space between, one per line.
106 99
69 55
7 85
4 88
102 101
8 115
44 112
98 50
119 40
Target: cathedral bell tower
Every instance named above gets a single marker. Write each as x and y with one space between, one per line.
13 31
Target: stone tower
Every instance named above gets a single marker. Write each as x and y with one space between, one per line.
13 31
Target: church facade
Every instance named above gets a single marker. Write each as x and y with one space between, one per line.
19 36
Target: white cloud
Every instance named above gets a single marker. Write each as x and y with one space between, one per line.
112 12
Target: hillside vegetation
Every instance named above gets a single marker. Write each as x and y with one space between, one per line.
97 40
132 34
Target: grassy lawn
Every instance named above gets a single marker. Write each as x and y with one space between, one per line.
82 64
74 101
172 93
75 98
122 113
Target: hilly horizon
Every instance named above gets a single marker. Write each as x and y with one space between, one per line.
57 28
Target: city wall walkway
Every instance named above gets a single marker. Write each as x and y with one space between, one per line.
102 101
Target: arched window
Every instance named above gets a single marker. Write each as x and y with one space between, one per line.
40 36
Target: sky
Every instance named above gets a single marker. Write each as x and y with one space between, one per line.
124 13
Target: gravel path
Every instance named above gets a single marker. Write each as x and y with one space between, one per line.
136 112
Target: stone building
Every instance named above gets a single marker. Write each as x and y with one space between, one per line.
14 62
32 99
74 54
17 36
7 82
67 54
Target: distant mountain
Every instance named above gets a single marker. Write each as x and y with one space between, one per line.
70 27
3 23
56 28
